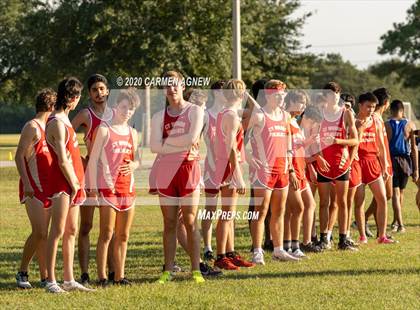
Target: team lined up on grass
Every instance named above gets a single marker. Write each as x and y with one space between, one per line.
297 146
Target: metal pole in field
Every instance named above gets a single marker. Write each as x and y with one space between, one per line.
236 30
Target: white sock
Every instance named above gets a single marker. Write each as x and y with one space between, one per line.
207 249
69 282
348 234
329 234
278 249
258 250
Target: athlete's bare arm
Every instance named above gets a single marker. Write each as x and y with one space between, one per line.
196 116
255 122
230 124
28 136
95 156
81 119
382 151
58 136
414 151
156 142
130 165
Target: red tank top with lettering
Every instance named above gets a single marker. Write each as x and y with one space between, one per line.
210 140
368 146
269 145
298 149
336 155
118 149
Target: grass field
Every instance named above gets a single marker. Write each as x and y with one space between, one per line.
377 277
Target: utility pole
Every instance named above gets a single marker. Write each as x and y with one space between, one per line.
236 30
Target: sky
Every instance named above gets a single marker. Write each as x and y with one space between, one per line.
351 28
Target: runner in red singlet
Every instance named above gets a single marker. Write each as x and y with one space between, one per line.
174 137
113 160
33 161
229 156
89 119
270 166
66 188
337 134
373 166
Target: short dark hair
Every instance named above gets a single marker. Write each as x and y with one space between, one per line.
45 99
68 89
397 105
94 78
312 112
295 96
367 97
257 86
216 85
333 86
348 98
382 94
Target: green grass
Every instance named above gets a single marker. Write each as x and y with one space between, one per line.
377 277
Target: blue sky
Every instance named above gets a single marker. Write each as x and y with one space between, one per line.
351 28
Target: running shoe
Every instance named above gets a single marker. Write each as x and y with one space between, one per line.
394 228
165 277
346 246
175 268
401 229
298 254
53 287
123 282
75 286
102 282
84 278
352 242
225 263
386 240
22 280
111 276
324 245
368 232
363 240
198 277
209 257
43 282
208 271
310 248
258 258
283 256
237 260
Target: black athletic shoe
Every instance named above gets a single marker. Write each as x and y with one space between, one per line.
102 282
22 280
84 278
208 271
310 248
123 281
346 246
368 232
268 246
208 257
314 239
111 276
324 245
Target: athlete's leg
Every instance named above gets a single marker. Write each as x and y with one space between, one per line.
332 211
124 219
106 231
278 206
37 240
224 226
169 208
59 210
257 225
294 198
308 214
359 205
379 192
341 188
69 240
86 222
189 207
206 224
324 190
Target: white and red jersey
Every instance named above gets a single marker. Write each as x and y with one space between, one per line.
368 146
176 126
95 121
298 149
57 181
270 143
37 165
209 136
336 155
118 149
